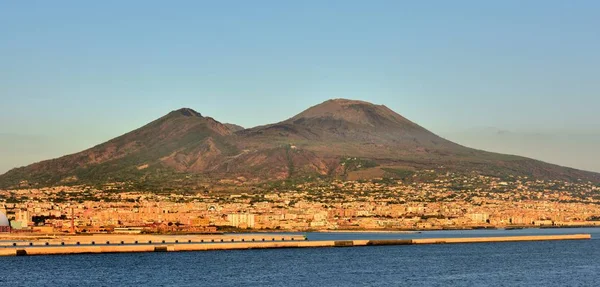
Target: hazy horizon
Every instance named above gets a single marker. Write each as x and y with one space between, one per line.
74 75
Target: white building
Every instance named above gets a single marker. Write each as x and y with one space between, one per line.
242 220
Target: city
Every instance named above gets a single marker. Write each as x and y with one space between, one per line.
447 201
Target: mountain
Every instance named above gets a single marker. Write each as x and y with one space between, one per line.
182 140
340 129
336 139
234 127
346 122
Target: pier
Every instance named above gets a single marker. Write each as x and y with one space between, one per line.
113 239
155 243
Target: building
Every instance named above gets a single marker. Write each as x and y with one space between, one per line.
4 223
479 217
128 230
22 220
241 220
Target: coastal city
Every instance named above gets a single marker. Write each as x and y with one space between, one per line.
445 201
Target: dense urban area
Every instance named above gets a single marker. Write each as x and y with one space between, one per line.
444 201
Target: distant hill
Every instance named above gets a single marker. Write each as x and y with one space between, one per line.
336 139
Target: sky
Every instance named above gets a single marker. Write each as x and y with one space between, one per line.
521 77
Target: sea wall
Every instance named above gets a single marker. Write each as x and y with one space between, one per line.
112 239
259 244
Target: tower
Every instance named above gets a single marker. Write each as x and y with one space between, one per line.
72 221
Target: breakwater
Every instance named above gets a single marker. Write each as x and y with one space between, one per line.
114 239
257 243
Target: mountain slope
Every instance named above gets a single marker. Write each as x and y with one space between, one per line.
353 122
233 127
183 140
343 128
336 139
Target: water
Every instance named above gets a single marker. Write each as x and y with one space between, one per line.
550 263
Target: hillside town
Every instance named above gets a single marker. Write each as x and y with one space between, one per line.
446 201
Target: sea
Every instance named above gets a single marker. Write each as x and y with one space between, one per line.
547 263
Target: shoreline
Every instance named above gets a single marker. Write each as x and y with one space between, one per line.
413 230
256 243
25 235
368 231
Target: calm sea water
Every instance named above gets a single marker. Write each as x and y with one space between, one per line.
558 263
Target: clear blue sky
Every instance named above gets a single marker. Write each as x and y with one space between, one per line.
76 73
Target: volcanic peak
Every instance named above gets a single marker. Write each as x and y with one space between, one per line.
186 112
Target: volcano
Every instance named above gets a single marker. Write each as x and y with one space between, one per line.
340 138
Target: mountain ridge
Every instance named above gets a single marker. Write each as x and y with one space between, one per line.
317 142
